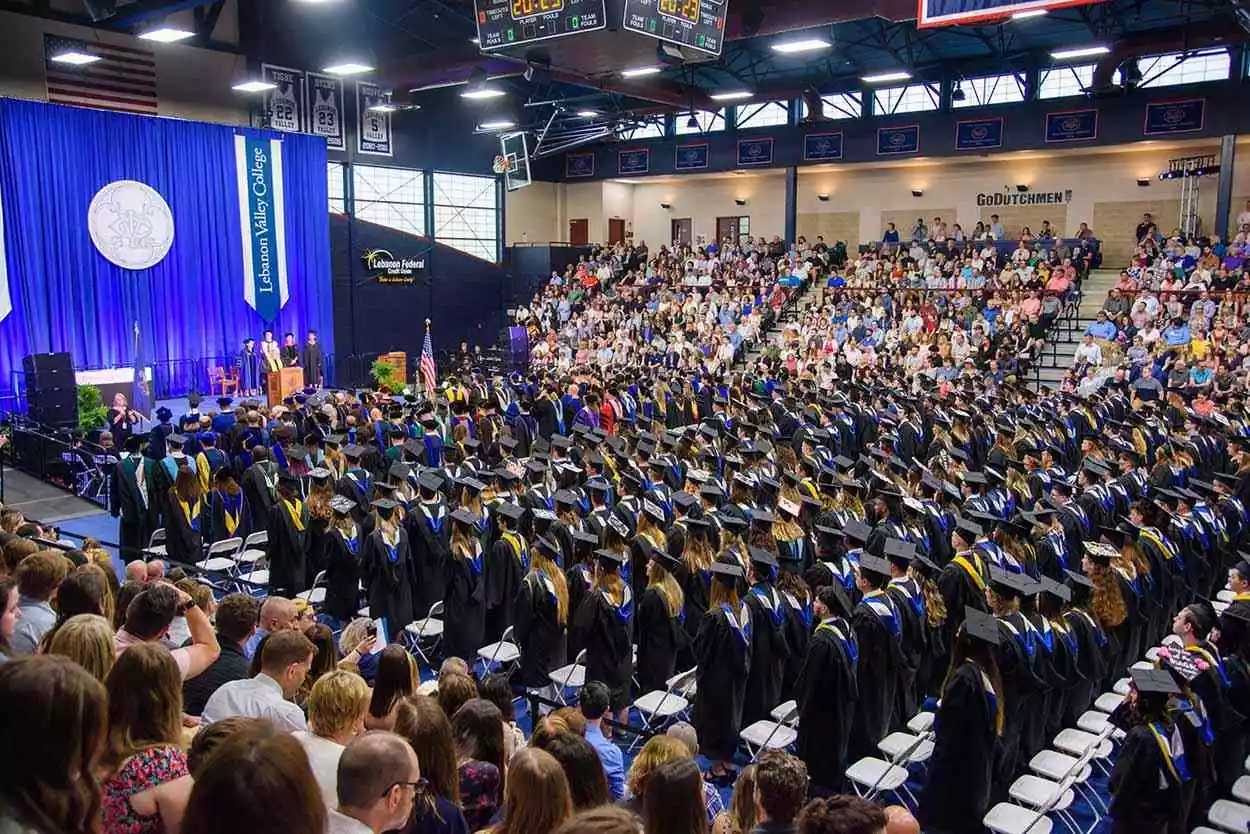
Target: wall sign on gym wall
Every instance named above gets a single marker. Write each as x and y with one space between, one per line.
996 199
373 128
286 104
325 114
385 268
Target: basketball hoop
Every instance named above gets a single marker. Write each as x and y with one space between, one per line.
502 165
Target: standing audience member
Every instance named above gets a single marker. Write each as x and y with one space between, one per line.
478 730
53 721
144 739
780 791
148 617
236 620
594 702
537 799
284 663
225 799
673 802
378 781
38 577
86 639
337 707
420 720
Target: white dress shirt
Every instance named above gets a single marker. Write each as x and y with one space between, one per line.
343 824
258 697
323 756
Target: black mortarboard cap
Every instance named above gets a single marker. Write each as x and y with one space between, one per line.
726 572
685 500
1154 681
464 517
565 497
430 482
609 559
1010 583
762 556
661 557
857 530
385 505
981 626
585 538
342 505
874 564
1055 589
1079 579
509 510
353 452
897 550
399 471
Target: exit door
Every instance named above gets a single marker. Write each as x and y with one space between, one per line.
682 231
616 230
579 232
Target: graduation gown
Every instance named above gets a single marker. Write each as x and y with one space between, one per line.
1092 646
660 636
961 583
723 661
579 581
506 565
1145 795
877 631
537 631
288 549
957 792
183 541
228 517
1022 691
605 632
429 532
910 604
769 652
387 571
258 482
464 615
798 630
133 504
826 692
342 575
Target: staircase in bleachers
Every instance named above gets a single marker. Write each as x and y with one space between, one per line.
1061 346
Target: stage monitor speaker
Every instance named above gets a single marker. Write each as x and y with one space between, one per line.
51 391
45 370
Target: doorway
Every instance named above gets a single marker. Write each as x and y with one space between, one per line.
579 232
732 228
616 230
682 231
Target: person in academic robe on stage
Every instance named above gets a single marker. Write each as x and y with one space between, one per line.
723 661
259 483
968 730
826 691
270 353
251 363
313 360
288 540
228 515
878 631
658 626
604 626
386 564
290 351
464 615
133 504
183 541
1147 783
122 419
541 617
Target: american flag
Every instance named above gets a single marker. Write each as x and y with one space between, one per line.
123 79
428 373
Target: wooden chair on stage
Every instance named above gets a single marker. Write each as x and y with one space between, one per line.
227 379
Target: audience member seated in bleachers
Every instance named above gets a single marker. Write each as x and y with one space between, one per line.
379 779
537 796
86 639
478 730
673 800
276 614
594 705
396 679
337 706
425 726
588 783
38 578
147 620
284 663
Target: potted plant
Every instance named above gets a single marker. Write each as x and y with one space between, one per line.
384 375
92 414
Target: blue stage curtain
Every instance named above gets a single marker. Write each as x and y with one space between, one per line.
68 297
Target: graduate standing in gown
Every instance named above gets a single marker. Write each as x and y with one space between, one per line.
967 732
878 631
541 616
507 563
228 515
658 626
1018 661
1091 648
288 540
765 612
133 499
826 692
723 660
429 532
604 625
342 549
386 565
464 612
1146 785
183 541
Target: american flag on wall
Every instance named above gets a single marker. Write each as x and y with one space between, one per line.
428 373
123 79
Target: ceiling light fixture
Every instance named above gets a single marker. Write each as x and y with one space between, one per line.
481 93
74 56
587 114
254 86
166 34
383 107
1028 13
737 95
1080 52
348 68
805 45
475 41
502 124
692 122
639 72
883 77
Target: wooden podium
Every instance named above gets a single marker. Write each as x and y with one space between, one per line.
282 384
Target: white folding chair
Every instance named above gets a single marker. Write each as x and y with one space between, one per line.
1079 742
1241 790
921 722
1230 816
871 777
1035 793
1092 721
1108 702
505 653
1225 595
156 543
782 710
771 735
571 676
317 593
220 556
907 749
659 708
253 549
428 628
1121 686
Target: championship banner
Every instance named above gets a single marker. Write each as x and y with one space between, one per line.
1164 118
979 134
262 222
285 104
755 152
893 141
950 12
692 157
579 165
822 146
636 161
373 127
325 111
1071 126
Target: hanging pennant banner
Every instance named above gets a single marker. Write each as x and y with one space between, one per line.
262 222
373 127
286 103
325 110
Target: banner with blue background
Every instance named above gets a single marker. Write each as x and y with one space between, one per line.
755 151
978 134
579 165
635 161
262 213
819 146
1072 126
691 157
894 141
951 12
1164 118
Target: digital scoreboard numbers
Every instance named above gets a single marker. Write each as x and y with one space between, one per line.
697 24
507 23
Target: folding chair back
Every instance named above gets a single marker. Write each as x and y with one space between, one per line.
225 547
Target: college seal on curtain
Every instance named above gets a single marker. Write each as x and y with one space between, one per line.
131 224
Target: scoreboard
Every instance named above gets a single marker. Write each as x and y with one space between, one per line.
697 24
508 23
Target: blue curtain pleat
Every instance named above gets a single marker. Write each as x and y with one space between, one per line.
68 297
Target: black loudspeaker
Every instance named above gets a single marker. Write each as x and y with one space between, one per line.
51 392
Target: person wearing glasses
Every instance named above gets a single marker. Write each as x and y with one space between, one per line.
379 779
